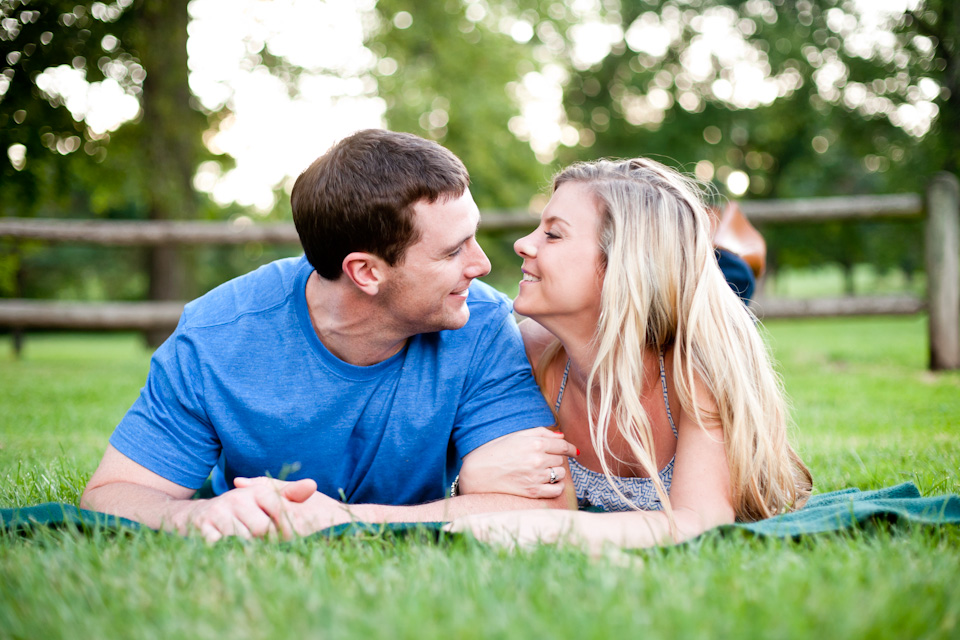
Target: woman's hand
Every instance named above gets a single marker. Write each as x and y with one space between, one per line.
529 464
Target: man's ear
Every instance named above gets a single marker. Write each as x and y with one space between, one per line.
365 270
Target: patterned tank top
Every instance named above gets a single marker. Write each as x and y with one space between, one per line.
592 487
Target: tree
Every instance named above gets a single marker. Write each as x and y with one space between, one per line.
773 97
59 162
444 73
448 71
936 24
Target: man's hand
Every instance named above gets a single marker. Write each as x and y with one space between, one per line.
127 489
519 464
300 510
249 511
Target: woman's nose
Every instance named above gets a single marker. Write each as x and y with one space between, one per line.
525 247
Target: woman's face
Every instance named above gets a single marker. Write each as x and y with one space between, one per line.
562 272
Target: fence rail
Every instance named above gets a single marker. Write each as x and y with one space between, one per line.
940 206
148 316
99 316
243 230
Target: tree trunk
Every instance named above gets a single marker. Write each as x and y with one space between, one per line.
849 284
170 131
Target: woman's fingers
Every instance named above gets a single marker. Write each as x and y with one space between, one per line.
553 461
560 448
554 475
552 485
553 442
549 491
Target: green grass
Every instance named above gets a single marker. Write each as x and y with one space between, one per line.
867 414
828 281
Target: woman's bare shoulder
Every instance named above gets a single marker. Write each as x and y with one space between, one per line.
702 392
535 339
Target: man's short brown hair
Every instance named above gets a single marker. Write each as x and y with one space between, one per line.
359 196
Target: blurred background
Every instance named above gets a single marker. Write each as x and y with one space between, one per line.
209 109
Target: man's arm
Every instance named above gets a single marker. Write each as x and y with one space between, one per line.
506 474
445 510
320 511
263 507
302 517
125 488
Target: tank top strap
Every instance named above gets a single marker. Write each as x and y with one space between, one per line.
563 384
666 399
663 386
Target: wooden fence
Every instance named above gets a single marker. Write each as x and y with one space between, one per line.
940 206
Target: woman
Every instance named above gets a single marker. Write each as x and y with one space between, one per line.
684 426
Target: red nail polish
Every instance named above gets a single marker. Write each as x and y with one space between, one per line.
578 451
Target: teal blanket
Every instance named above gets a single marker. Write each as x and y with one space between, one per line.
827 512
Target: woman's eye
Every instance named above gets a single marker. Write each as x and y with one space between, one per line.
551 235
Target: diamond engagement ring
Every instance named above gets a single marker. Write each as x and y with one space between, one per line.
553 475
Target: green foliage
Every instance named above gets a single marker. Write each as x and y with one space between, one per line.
833 127
770 137
62 172
35 38
452 70
445 77
61 402
65 166
817 135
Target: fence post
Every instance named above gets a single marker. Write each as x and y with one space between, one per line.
16 333
943 270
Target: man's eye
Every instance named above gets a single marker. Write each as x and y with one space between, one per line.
457 252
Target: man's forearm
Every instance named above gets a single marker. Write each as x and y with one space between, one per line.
151 507
445 510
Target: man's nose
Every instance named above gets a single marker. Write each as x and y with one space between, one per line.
479 264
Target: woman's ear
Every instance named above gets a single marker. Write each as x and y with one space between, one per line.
365 270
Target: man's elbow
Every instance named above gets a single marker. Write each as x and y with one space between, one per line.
88 499
93 498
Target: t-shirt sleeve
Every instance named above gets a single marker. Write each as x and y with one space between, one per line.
166 429
500 395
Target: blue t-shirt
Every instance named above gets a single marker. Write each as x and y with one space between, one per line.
246 377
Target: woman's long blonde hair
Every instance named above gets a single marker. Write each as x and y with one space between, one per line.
662 286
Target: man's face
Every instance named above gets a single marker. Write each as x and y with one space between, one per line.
427 291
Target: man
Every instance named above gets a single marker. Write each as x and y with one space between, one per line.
366 369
